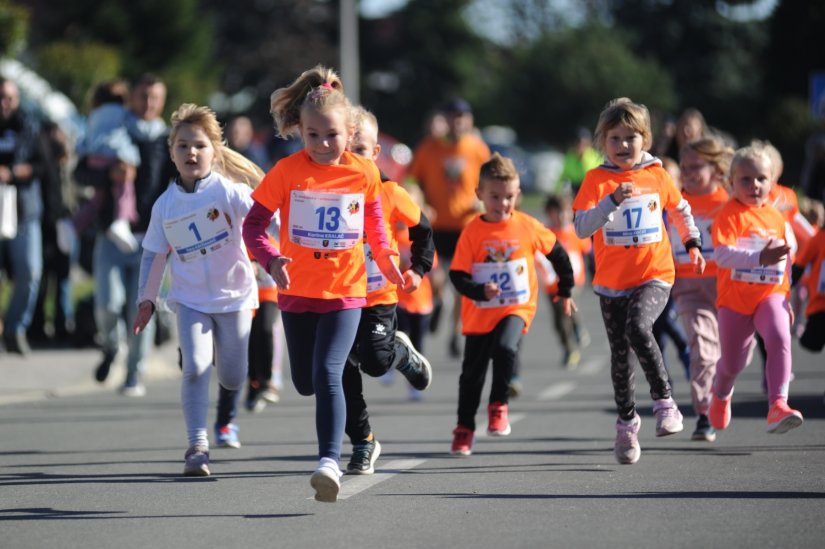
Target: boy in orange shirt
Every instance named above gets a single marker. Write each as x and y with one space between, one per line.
378 347
494 272
813 256
752 286
621 204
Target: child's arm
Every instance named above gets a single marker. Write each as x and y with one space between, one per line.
689 233
731 257
152 266
422 251
564 270
476 291
258 243
377 239
589 221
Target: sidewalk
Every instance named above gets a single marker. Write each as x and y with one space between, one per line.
50 373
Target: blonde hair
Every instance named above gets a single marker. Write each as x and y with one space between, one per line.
231 164
319 88
755 151
776 158
363 118
498 167
714 151
623 112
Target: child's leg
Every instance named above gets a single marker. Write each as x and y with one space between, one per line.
506 339
357 426
563 325
262 344
471 382
196 346
774 324
813 338
231 344
614 315
644 306
277 360
735 338
227 405
378 349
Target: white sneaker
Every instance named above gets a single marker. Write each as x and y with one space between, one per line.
326 481
120 233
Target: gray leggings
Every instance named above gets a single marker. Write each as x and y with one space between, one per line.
207 338
629 324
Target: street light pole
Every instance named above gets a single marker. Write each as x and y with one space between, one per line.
350 70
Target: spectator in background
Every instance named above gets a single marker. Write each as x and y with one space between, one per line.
240 135
446 168
21 165
578 160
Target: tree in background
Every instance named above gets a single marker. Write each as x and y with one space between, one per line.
14 27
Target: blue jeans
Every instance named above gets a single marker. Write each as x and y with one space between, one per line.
116 285
25 255
318 346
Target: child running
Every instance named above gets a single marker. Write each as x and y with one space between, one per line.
749 241
704 167
198 219
493 270
327 198
379 348
812 257
621 204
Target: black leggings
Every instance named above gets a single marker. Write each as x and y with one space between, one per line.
629 324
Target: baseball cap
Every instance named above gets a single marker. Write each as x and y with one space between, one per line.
457 106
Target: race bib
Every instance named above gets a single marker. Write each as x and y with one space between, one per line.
198 234
375 279
771 274
512 280
638 221
679 252
326 221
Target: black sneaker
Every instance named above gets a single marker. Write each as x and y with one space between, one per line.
364 455
704 430
102 371
418 370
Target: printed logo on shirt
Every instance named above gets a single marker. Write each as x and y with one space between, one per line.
500 251
379 329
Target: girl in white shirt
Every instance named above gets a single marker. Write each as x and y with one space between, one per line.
197 223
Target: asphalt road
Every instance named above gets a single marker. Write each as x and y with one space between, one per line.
88 468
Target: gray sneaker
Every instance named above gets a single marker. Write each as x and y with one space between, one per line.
196 462
418 370
627 449
364 455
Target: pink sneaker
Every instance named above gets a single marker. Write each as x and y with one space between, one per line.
462 441
627 449
782 418
668 417
719 413
498 425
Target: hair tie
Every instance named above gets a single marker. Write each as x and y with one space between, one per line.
327 85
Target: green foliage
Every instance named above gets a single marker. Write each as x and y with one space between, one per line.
75 68
563 80
14 22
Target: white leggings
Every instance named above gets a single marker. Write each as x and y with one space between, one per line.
205 339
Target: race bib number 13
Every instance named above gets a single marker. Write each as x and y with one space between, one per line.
326 221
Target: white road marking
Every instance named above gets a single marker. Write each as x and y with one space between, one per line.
593 365
557 390
356 484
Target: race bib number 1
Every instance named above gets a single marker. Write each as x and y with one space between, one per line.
512 280
770 274
375 279
326 221
638 221
198 234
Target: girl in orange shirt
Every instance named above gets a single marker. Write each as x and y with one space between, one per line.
752 287
620 203
704 166
327 198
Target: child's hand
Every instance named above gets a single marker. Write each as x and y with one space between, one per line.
790 312
568 305
773 255
412 280
491 290
623 192
697 260
278 272
388 267
144 315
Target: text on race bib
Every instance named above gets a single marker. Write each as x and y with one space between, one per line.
199 233
327 221
638 221
510 276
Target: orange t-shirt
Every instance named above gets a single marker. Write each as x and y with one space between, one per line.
622 266
319 208
503 253
784 199
704 208
448 175
421 300
813 254
742 226
398 207
576 249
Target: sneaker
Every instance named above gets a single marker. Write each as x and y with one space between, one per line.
227 436
255 404
515 388
133 391
270 394
121 235
719 413
326 480
418 370
196 462
497 425
668 417
462 441
571 359
782 418
363 457
626 448
704 430
102 370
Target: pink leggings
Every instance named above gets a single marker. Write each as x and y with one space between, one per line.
736 337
